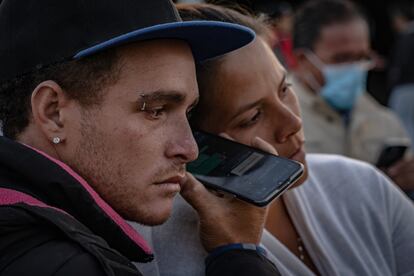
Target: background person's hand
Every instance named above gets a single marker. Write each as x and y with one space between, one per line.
402 173
225 220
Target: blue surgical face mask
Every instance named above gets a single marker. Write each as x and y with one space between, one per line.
344 83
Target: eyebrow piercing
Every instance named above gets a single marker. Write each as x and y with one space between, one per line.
144 104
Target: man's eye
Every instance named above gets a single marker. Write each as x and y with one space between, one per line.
155 112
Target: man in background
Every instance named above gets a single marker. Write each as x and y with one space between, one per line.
331 43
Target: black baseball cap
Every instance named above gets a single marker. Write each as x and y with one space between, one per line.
37 33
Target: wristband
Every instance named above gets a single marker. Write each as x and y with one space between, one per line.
236 246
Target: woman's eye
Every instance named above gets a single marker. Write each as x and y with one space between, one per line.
251 121
285 89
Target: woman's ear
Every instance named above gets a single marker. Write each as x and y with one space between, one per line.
48 102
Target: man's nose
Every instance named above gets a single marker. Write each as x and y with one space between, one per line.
183 146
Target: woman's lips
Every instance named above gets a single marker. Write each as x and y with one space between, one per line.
298 155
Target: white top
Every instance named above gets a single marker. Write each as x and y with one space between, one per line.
352 220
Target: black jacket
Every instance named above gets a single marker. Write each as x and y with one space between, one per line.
53 223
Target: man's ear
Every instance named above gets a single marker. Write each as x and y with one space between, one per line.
48 102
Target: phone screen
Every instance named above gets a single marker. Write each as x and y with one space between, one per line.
243 171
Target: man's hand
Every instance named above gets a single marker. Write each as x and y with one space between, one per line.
402 173
225 220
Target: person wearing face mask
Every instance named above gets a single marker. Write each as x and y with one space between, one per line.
344 83
331 43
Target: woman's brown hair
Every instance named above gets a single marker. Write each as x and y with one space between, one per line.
208 70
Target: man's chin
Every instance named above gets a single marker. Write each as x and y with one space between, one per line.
150 218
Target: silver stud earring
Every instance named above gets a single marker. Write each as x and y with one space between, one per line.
56 140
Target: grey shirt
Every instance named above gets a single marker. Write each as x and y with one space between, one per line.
352 220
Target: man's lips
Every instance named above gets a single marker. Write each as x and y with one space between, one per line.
177 179
171 185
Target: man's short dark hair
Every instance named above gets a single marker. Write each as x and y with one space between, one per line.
81 79
317 14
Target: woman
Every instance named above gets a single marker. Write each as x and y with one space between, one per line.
342 218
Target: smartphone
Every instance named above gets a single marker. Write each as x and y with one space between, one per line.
390 154
241 171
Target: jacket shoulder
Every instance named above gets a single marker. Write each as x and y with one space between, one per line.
29 246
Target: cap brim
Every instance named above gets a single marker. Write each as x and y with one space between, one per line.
207 39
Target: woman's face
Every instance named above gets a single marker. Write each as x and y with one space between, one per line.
251 98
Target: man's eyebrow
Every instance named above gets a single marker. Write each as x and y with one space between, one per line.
162 95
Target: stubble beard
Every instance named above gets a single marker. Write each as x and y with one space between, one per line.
92 161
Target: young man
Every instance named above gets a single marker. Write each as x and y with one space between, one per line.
94 100
332 46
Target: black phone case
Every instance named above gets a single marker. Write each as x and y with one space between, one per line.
244 172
